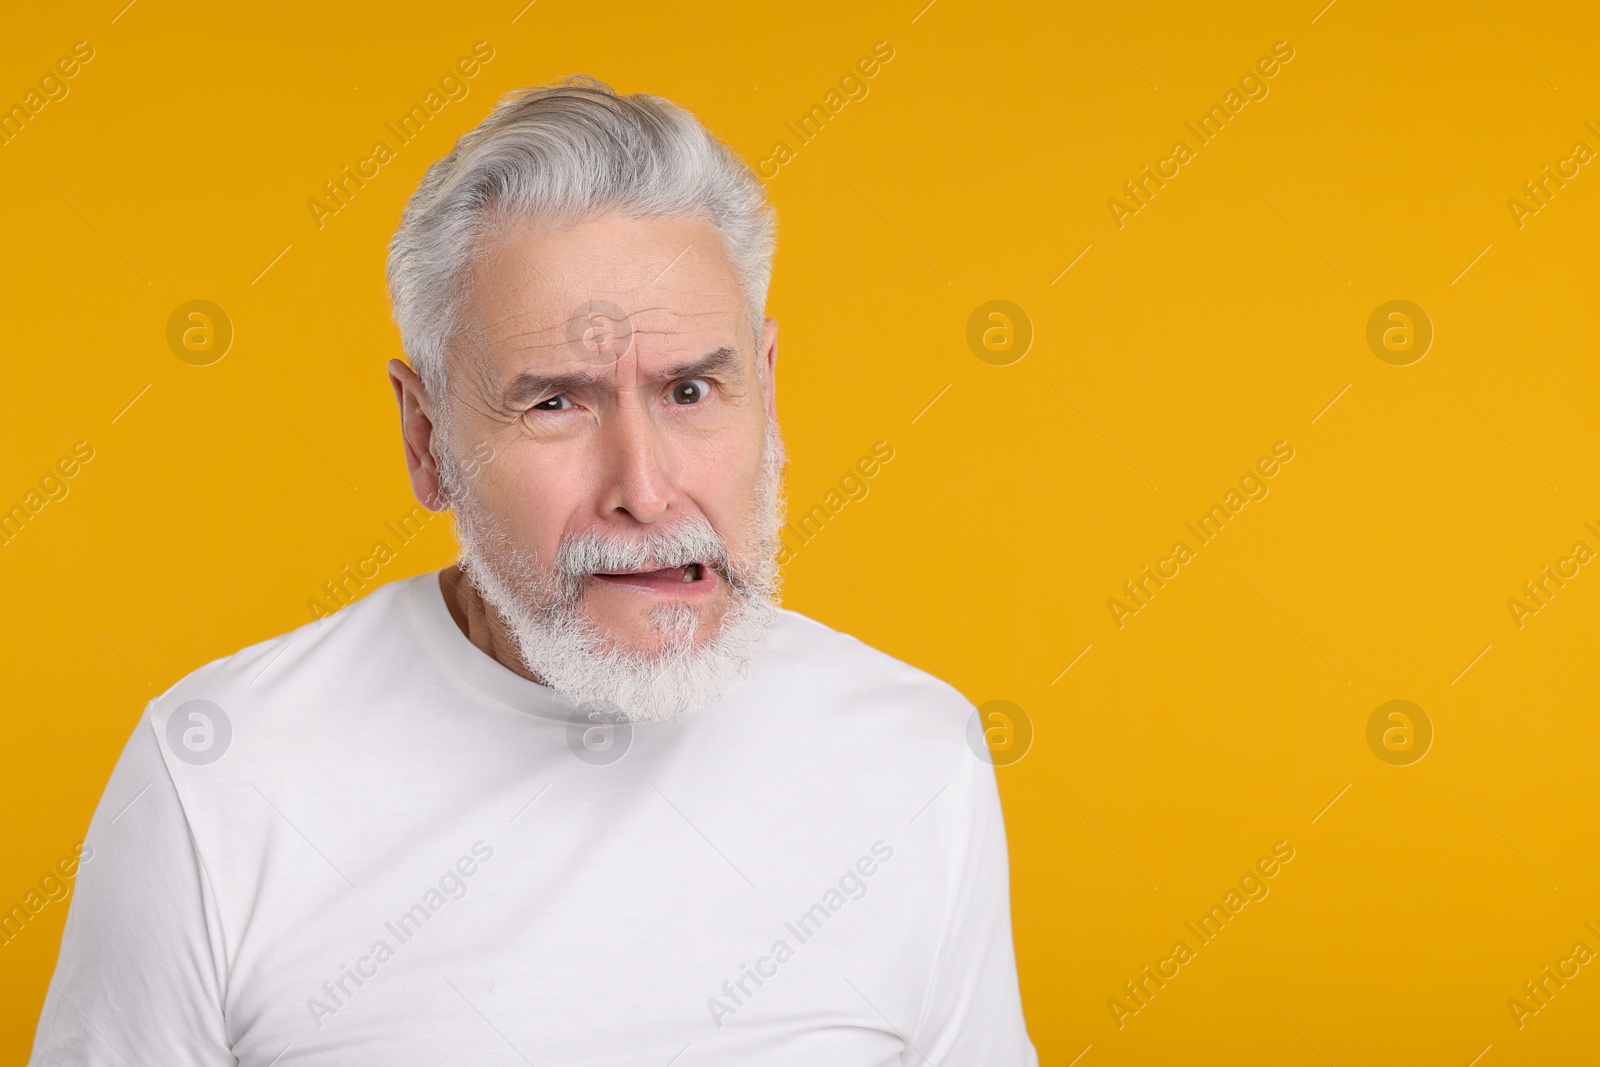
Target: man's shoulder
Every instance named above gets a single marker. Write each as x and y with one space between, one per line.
822 658
314 656
857 715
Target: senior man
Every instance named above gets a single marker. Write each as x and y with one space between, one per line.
590 796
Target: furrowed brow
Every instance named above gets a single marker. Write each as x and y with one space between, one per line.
722 360
527 386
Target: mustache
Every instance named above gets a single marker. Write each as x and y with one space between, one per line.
692 540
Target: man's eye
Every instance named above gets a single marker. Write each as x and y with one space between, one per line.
691 391
556 403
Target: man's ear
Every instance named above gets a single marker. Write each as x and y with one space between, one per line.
767 357
416 433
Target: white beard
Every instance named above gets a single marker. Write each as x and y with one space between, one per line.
542 611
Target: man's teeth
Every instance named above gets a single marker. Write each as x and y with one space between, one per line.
691 573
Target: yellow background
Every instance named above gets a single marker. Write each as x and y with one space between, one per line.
1223 317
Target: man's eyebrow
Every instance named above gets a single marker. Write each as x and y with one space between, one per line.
528 385
722 359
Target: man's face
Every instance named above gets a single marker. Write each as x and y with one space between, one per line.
610 443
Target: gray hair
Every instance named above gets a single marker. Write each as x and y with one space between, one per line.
561 153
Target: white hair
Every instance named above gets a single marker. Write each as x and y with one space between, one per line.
562 153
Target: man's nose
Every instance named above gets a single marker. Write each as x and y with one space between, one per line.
639 475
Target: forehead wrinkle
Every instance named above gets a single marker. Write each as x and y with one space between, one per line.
508 334
508 329
676 324
514 340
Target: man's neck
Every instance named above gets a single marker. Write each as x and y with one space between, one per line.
481 624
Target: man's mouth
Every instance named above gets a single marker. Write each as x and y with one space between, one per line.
691 581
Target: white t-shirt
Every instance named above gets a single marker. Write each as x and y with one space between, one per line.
366 842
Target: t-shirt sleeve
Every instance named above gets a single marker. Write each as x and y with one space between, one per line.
972 1016
139 978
